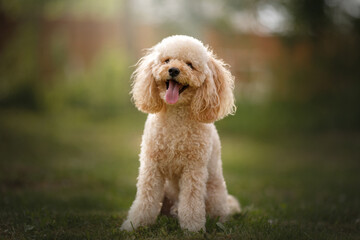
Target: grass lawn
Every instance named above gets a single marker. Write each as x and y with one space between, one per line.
71 175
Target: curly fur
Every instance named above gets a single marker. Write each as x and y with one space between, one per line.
180 161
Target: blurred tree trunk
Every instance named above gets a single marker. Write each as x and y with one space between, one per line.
128 26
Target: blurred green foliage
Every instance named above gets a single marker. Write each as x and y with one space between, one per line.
103 90
317 92
19 70
103 86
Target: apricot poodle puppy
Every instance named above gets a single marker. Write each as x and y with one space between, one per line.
185 89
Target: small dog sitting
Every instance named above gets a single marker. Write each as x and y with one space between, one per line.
185 89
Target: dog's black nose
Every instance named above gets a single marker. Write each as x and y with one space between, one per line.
174 71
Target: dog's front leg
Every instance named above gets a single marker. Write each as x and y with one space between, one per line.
150 192
192 199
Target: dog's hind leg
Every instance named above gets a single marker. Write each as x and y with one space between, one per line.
218 202
216 197
171 199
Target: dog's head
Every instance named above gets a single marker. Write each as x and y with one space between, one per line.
180 70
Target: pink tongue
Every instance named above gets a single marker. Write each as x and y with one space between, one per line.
172 93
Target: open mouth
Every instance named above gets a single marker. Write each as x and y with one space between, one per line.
173 90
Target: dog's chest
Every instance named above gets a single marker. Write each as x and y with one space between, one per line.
175 146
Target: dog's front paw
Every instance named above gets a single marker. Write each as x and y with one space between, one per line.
192 227
127 226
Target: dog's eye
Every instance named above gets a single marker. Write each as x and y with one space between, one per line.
190 65
167 60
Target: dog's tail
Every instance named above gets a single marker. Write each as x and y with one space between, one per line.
234 205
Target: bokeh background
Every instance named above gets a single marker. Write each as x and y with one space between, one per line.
69 134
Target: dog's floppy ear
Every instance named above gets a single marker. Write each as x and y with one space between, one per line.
144 89
214 99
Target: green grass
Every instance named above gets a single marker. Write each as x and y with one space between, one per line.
71 175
